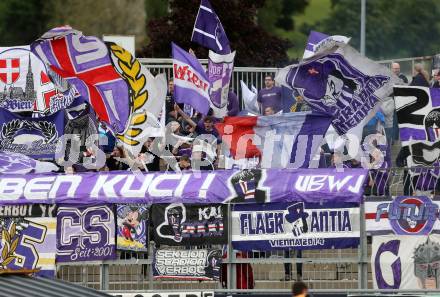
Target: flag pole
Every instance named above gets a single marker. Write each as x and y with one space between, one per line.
363 21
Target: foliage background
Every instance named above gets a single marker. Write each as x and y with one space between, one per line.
264 32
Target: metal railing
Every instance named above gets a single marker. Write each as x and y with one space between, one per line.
254 76
332 269
329 270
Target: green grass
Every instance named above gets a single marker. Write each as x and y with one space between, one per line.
316 11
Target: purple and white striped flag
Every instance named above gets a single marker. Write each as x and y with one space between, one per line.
220 69
191 84
208 30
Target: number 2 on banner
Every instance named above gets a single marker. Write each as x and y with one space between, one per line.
26 253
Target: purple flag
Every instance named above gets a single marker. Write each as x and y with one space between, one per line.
317 41
36 137
270 185
341 83
208 30
191 84
85 233
15 163
220 69
91 66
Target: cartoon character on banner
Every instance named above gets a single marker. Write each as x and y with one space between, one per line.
245 186
213 264
297 216
133 227
427 265
175 216
336 83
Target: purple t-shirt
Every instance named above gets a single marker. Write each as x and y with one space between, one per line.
270 97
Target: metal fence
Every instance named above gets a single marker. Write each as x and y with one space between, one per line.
329 270
254 76
332 269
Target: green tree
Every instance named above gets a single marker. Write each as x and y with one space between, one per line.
395 28
99 17
254 45
21 22
278 14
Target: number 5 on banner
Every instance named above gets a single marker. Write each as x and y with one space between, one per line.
26 253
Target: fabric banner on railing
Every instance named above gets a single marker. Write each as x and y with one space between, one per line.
271 185
296 225
132 229
199 224
36 137
200 264
28 238
85 233
418 116
403 215
406 262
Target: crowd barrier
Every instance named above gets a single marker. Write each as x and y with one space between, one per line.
328 270
254 76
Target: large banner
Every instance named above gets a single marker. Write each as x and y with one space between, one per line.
299 137
418 113
28 238
183 224
403 215
24 80
340 82
296 225
36 137
132 228
220 186
85 233
108 77
406 262
220 68
203 264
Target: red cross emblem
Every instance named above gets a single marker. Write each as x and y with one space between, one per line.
9 70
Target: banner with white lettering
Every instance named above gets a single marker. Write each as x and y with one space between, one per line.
132 229
220 186
403 215
184 224
85 233
406 262
203 264
28 238
36 137
295 225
